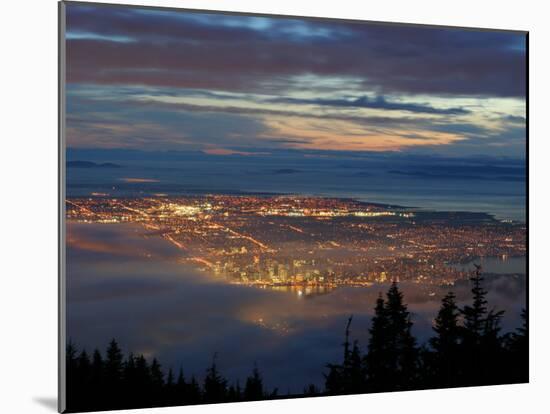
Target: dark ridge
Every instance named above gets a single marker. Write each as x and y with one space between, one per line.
286 171
91 164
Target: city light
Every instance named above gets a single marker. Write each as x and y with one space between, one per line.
310 244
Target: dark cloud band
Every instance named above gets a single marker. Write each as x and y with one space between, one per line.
173 49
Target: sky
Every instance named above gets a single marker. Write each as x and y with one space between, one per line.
234 85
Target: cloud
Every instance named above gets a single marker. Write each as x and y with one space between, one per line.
239 83
515 119
188 316
118 124
144 118
379 102
226 151
181 49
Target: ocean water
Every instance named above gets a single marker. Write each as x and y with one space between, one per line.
446 185
500 265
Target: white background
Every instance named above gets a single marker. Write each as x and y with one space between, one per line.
28 207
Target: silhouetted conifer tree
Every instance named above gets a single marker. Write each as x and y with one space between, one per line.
157 382
129 377
492 348
170 391
143 381
71 374
83 379
180 388
170 378
215 386
518 350
349 377
311 390
445 364
334 383
84 367
392 358
475 314
98 384
354 372
254 387
482 347
409 358
234 393
378 377
193 391
113 363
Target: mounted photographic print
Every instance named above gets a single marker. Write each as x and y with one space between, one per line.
261 207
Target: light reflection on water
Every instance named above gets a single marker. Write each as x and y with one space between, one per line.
300 291
125 284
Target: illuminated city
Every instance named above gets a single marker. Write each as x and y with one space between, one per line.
311 244
262 207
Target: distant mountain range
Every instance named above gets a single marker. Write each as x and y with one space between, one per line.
90 164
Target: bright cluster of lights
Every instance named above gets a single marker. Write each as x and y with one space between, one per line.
183 210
